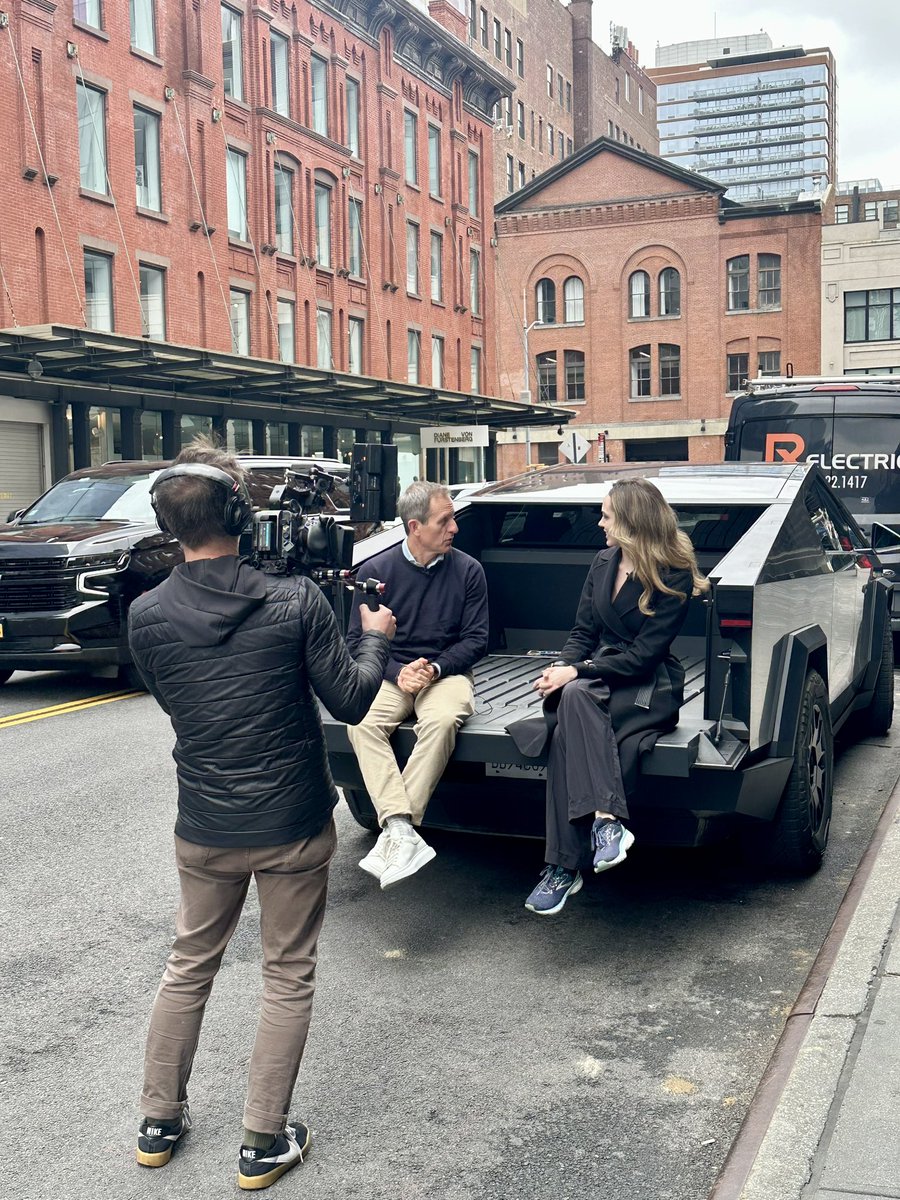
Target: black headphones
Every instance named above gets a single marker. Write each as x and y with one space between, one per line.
238 506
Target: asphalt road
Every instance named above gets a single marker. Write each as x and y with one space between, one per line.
461 1049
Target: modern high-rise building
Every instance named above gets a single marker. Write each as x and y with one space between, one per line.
758 119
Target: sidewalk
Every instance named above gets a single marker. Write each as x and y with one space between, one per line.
831 1112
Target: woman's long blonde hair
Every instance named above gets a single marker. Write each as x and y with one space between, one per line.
646 528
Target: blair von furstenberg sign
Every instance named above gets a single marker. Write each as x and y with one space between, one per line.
443 437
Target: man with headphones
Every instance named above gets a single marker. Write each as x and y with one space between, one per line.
237 658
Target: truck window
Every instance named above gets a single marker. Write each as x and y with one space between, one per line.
785 439
864 467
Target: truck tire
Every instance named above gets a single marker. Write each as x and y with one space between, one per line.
4 676
879 716
361 806
799 833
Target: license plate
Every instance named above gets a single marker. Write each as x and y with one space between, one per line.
514 771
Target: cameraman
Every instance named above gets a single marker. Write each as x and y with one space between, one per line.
236 658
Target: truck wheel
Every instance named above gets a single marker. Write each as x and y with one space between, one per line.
879 716
361 806
799 833
4 676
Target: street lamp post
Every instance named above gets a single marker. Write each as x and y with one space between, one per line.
525 397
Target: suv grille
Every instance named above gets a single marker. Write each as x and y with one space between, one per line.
37 585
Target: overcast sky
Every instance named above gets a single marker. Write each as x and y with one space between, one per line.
863 35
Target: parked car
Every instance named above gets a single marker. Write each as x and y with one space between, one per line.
791 645
72 562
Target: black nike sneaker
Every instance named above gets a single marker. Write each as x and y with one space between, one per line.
156 1139
260 1168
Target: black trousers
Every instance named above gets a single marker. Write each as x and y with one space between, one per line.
583 773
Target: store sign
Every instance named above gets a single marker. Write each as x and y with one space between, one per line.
453 437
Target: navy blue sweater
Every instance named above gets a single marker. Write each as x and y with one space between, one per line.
441 611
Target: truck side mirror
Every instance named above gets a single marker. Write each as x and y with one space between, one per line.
884 538
14 516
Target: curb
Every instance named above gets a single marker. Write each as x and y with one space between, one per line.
791 1105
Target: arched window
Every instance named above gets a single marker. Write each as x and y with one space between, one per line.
574 362
669 293
545 299
639 361
573 296
546 368
738 276
639 292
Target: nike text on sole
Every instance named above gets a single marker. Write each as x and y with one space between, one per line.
625 845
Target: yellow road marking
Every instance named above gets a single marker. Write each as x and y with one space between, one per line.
60 710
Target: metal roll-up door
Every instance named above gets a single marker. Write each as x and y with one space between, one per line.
21 465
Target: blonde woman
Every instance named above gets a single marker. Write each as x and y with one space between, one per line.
615 687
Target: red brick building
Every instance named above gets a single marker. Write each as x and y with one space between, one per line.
645 298
309 182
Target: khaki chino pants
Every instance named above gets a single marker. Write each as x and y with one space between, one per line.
440 710
291 882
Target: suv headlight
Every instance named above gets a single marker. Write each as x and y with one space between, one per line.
96 570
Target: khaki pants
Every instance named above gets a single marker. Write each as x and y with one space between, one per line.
291 882
440 710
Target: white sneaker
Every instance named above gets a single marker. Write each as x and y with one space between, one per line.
376 860
405 855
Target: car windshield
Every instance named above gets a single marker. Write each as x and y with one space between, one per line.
115 498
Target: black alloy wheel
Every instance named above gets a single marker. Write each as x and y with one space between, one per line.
799 833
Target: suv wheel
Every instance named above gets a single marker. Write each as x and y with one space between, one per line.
799 833
363 811
4 675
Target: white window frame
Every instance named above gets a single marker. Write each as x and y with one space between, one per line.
280 62
148 184
322 198
284 213
98 267
153 301
236 168
355 344
355 260
437 360
352 98
239 303
324 334
142 19
286 319
92 138
436 265
414 353
318 94
410 147
233 76
413 254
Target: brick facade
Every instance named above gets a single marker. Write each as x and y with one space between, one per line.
602 218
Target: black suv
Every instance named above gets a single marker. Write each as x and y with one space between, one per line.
71 564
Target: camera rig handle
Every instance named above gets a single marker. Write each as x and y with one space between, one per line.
372 589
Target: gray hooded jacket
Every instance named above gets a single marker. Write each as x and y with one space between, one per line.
237 658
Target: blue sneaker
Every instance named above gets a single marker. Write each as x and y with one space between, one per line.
610 841
555 886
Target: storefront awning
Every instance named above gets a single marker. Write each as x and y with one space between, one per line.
112 370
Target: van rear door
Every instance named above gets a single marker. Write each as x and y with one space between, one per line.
865 463
795 429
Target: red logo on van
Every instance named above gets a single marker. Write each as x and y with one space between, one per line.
784 447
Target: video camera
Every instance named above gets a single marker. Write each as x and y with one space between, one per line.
294 537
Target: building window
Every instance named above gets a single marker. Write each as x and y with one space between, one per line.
496 38
434 160
669 370
143 25
639 361
870 210
146 160
237 195
484 27
738 271
541 134
473 20
355 241
437 361
842 214
507 48
546 372
319 86
568 146
510 173
355 327
639 293
475 369
640 100
92 138
669 293
232 53
324 359
573 298
769 281
568 97
475 281
284 209
609 128
627 86
278 50
737 367
520 119
286 336
890 214
559 89
410 146
353 117
574 361
240 321
412 258
98 290
545 301
508 111
520 58
872 316
521 174
551 140
562 144
323 224
550 81
414 352
153 302
437 267
770 362
88 11
473 184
